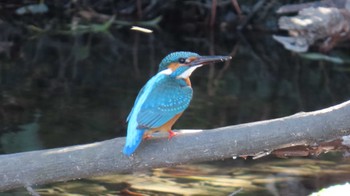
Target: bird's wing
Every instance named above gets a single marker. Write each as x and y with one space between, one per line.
162 104
137 99
145 91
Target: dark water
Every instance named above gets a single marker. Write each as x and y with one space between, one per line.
65 89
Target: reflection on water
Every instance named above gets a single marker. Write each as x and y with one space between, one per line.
60 90
27 138
263 177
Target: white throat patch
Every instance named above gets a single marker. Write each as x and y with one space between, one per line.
188 72
166 72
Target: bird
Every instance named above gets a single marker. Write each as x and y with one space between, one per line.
164 97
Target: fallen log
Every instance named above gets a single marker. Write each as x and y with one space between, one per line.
328 26
101 158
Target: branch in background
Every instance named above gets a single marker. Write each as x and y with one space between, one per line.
257 6
213 13
102 158
237 8
285 9
331 26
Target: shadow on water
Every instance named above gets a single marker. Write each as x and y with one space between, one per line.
61 89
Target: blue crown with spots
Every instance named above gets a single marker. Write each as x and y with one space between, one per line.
174 57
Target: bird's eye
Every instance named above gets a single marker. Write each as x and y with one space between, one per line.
182 60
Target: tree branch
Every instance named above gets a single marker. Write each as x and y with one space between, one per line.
100 158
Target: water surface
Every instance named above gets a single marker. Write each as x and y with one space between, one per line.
67 89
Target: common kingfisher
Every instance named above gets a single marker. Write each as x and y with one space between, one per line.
164 97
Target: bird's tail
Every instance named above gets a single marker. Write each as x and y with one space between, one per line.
133 140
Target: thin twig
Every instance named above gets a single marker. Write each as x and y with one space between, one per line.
213 13
256 8
237 8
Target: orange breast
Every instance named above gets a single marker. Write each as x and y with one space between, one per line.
188 81
167 126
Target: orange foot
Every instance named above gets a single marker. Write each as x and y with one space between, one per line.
147 137
171 134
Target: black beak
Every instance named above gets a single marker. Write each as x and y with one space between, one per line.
203 60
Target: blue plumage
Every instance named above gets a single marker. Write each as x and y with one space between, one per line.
174 57
159 101
168 97
165 96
